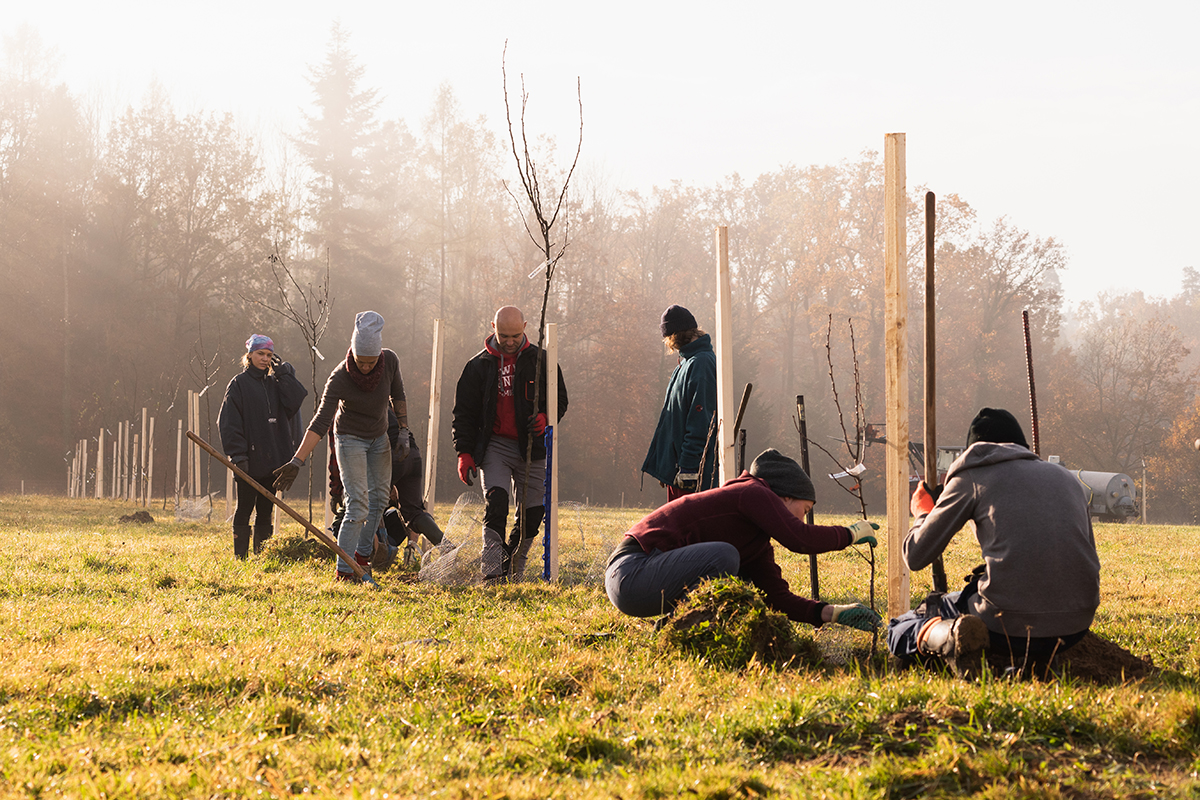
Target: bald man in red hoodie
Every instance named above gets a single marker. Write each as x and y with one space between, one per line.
494 416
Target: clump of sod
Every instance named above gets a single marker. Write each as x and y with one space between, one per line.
293 547
726 622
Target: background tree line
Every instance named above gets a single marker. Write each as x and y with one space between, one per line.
135 258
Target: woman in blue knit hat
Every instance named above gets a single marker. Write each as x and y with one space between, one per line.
260 427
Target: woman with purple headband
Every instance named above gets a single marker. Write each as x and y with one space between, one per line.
260 427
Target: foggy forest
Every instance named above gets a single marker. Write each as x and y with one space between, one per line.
140 247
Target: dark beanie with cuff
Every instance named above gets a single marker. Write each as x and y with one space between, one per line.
997 426
783 475
676 319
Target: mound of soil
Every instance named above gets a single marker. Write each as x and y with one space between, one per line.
141 517
292 548
1094 659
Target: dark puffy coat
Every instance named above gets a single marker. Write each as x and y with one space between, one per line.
686 418
475 402
260 418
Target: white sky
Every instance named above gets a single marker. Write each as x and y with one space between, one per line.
1076 120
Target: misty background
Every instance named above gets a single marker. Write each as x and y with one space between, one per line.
136 243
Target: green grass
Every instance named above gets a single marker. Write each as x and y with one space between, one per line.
144 660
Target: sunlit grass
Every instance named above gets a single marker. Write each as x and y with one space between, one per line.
144 660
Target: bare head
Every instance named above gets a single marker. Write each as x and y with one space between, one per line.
509 327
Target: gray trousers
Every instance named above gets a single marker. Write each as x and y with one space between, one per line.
650 584
503 468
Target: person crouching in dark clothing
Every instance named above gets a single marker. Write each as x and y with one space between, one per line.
730 530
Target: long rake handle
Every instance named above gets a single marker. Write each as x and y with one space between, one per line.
321 535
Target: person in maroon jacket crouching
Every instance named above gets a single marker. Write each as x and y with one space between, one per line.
729 531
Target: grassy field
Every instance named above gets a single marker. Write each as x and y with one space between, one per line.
144 660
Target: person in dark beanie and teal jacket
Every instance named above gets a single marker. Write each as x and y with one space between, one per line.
730 531
681 443
1039 586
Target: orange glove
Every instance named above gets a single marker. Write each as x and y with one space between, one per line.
923 499
466 468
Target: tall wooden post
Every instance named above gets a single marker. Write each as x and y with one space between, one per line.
100 466
931 476
896 368
140 494
115 479
196 467
119 472
725 406
178 461
435 417
552 419
150 464
83 444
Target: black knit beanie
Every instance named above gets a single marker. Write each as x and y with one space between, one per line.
676 319
783 475
995 425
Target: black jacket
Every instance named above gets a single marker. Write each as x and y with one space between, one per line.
475 402
259 419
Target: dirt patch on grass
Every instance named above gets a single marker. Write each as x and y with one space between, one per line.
1095 659
140 517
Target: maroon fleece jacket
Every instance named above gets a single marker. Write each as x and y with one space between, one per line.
748 515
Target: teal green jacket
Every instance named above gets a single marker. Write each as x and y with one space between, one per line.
686 418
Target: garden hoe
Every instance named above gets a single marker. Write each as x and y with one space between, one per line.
321 535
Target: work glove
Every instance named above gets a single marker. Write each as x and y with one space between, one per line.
285 476
466 469
924 499
687 481
856 616
275 362
863 532
404 443
537 424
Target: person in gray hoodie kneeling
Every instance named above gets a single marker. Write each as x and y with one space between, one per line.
1039 586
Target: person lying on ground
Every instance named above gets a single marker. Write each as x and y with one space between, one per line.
729 531
1039 586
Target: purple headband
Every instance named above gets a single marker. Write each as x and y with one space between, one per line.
259 342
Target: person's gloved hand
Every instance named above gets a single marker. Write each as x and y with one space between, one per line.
466 468
856 616
404 444
924 499
537 424
285 476
863 532
687 481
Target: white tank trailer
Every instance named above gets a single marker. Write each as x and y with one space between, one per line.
1111 496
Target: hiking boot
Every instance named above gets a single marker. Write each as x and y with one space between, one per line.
261 534
412 556
346 576
959 642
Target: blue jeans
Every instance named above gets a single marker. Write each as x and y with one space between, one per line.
366 467
649 584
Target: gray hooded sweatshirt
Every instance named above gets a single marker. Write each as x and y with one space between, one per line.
1032 523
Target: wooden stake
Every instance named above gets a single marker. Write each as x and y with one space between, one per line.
178 461
150 465
931 476
896 369
100 466
725 407
435 417
83 444
141 471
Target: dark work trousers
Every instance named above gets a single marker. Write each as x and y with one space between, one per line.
249 499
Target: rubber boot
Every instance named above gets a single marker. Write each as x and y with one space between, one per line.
520 554
261 534
959 642
494 559
427 526
241 541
